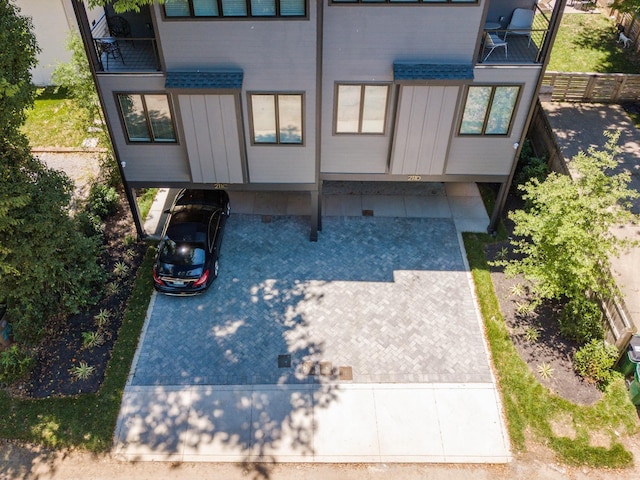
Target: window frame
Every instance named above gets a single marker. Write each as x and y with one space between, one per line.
487 114
277 143
372 3
362 86
148 123
248 16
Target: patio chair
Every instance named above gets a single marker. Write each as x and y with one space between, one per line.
119 27
110 48
521 23
491 42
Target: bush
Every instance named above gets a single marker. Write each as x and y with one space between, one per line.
103 200
529 166
581 320
594 361
89 224
14 364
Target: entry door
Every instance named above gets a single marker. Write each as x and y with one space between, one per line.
423 129
211 129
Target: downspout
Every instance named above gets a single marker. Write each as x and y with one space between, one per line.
87 41
501 200
319 60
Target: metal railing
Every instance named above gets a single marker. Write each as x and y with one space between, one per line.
126 54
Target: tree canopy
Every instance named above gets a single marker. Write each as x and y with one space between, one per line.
629 6
121 6
565 236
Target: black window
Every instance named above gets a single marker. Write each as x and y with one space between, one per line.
235 8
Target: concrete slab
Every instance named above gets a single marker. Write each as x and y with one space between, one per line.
336 424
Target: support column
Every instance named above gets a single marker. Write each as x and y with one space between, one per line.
315 215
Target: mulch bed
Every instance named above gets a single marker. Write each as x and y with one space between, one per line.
63 347
550 348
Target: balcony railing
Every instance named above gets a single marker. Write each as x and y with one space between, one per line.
523 46
117 55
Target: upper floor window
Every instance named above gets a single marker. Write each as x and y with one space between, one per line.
425 2
235 8
147 118
361 108
276 118
488 110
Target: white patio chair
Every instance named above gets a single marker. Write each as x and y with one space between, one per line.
491 42
521 23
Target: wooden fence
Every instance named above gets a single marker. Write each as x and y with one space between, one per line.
590 87
619 325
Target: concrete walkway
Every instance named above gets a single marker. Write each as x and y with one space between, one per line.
580 126
365 346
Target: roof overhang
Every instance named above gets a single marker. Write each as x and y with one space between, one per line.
422 73
210 81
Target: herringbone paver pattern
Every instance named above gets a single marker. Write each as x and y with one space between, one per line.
388 297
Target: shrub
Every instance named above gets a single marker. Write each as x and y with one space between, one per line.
581 320
594 361
529 166
89 224
15 362
103 200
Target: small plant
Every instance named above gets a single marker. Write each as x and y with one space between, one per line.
518 290
14 363
82 371
594 361
102 318
502 253
130 253
92 339
545 371
121 269
532 334
525 309
129 240
112 288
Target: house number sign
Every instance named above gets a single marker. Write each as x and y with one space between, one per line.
219 186
414 178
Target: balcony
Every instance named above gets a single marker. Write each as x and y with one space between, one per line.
523 46
123 45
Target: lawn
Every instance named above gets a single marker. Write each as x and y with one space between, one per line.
53 122
587 43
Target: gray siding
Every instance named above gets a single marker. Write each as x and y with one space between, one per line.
493 155
210 125
149 162
275 56
360 45
423 129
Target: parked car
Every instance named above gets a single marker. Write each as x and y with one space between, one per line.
187 259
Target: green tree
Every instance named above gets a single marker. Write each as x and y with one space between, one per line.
629 6
565 236
121 6
17 57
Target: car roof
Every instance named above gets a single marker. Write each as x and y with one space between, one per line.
195 198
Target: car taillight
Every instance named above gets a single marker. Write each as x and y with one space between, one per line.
202 280
156 278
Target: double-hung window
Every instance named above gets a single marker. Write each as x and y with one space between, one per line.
147 117
361 108
276 118
488 110
235 8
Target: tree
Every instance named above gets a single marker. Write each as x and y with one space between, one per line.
564 237
628 6
121 6
17 57
47 267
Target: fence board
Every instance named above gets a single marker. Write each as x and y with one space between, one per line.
592 87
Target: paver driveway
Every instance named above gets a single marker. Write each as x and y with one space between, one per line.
388 297
364 346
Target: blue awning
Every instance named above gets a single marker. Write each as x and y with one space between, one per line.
209 80
417 72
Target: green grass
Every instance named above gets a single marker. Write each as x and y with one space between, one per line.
530 408
52 122
587 43
145 200
85 421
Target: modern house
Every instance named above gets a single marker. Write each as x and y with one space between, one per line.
285 95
